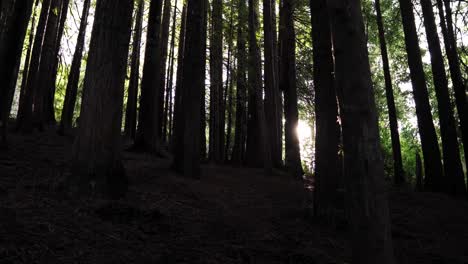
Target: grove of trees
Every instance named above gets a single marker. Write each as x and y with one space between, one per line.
382 85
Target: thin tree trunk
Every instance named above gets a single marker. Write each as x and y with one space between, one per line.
178 107
46 66
11 45
288 85
430 148
169 85
217 133
148 125
131 113
96 159
25 118
364 173
396 147
419 174
166 19
50 109
74 75
238 150
327 180
229 85
27 62
272 93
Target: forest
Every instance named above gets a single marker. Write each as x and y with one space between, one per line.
234 131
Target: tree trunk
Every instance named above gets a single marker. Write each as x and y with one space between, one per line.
168 102
178 107
96 164
272 93
454 65
50 96
455 181
74 75
25 111
430 148
238 150
327 180
132 100
46 66
399 177
288 85
419 174
11 43
364 172
217 133
229 85
258 153
164 50
187 141
148 125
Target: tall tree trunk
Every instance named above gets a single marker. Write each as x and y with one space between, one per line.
238 150
327 179
288 85
131 113
186 134
50 109
459 86
216 146
451 153
364 172
258 152
11 43
46 66
74 75
430 147
396 147
148 125
178 108
166 19
272 93
25 111
229 94
203 151
96 161
169 85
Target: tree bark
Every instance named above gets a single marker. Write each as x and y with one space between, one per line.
258 152
187 141
217 132
364 172
327 177
74 75
288 85
272 93
399 177
11 43
430 148
239 148
169 86
96 159
166 19
25 111
132 100
148 125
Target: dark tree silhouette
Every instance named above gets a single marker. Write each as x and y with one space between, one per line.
96 164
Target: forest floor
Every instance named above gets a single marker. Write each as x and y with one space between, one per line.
230 215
